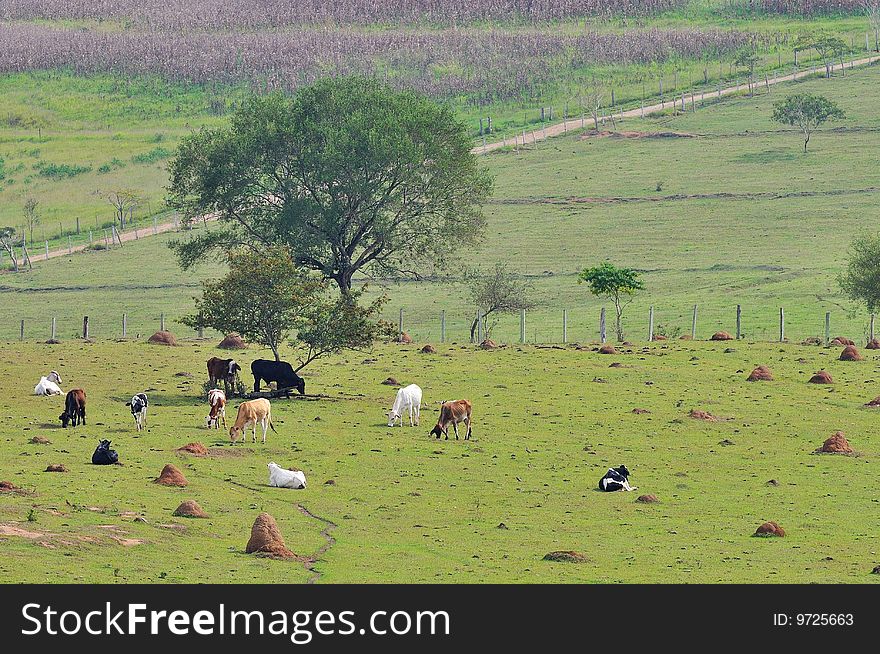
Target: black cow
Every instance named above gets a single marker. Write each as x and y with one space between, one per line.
279 372
103 455
74 408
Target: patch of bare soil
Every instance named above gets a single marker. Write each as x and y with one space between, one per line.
761 373
189 509
873 344
836 444
850 353
874 403
56 467
770 528
232 342
391 381
647 499
639 411
821 377
488 344
697 414
40 440
13 530
631 134
608 348
841 340
196 449
428 349
721 336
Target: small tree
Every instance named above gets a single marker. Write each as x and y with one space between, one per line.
861 280
872 11
747 58
807 112
497 292
617 284
124 202
31 216
7 242
829 48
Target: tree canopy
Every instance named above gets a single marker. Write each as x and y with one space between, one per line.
807 112
348 174
861 279
616 284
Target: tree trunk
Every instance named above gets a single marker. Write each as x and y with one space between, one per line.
618 324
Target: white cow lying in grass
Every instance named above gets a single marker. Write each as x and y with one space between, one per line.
409 399
281 478
49 385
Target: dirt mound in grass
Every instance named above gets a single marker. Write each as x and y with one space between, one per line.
841 340
770 529
812 340
428 349
874 403
171 476
8 487
193 448
850 353
608 348
232 342
647 499
639 411
721 336
685 337
659 337
761 373
189 509
836 444
162 338
821 377
404 338
56 467
565 557
873 344
391 381
488 344
697 414
266 539
40 440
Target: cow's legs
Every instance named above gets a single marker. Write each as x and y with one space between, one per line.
265 423
410 417
455 429
418 414
468 437
256 384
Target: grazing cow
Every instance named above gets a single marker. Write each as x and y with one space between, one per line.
251 413
616 479
281 478
453 413
223 370
49 385
279 372
74 408
138 406
408 398
217 400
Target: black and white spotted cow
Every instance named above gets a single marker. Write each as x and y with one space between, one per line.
616 479
138 406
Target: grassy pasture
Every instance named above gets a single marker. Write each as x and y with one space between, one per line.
547 424
742 217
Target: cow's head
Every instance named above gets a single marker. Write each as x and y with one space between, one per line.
104 445
437 431
54 377
392 416
64 418
623 471
300 385
234 368
234 433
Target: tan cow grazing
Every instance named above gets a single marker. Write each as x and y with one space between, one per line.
251 413
453 413
217 401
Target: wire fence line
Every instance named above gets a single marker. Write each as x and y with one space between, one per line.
545 326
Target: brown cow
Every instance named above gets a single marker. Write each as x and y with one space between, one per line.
453 413
74 408
217 400
223 370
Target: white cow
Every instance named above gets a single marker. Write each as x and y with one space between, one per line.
49 385
408 398
217 400
281 478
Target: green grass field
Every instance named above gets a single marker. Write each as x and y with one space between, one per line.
406 508
742 217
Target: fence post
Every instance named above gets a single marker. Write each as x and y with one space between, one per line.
155 226
124 325
21 331
738 322
781 324
85 326
162 322
400 325
602 325
53 328
827 328
565 325
872 327
443 325
522 325
651 324
694 325
47 250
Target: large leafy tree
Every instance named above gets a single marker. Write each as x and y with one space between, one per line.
861 279
348 174
616 284
806 112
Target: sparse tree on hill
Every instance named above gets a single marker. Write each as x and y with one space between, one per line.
31 217
806 112
124 201
747 58
828 47
872 11
349 174
7 242
861 279
616 284
496 292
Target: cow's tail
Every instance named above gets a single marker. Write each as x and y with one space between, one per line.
270 423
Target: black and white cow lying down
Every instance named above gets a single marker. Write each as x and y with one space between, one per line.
616 479
138 406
